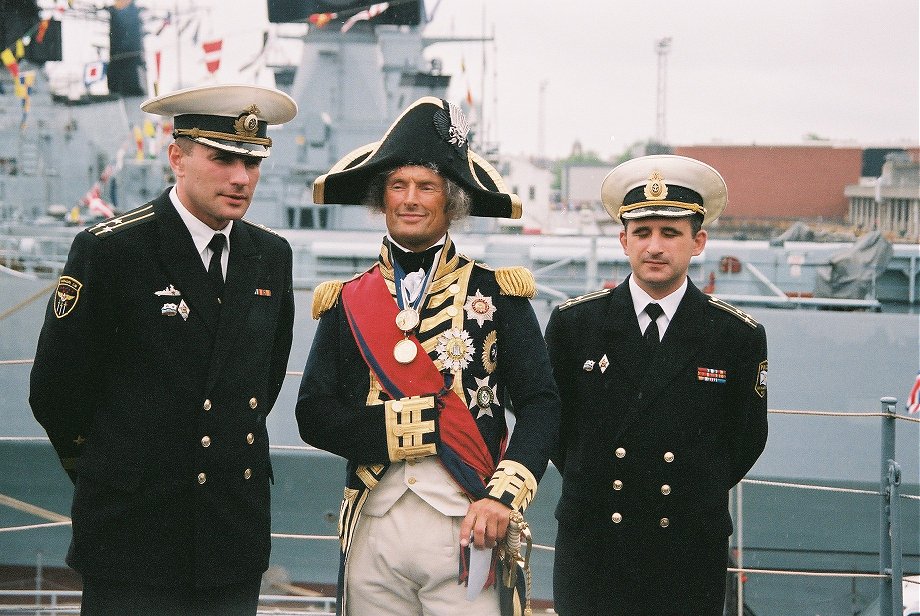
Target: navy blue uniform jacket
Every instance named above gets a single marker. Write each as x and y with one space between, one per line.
158 413
649 449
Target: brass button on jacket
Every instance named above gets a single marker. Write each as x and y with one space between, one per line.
668 457
620 452
617 518
665 489
202 478
205 441
617 484
664 523
247 473
250 438
207 405
253 403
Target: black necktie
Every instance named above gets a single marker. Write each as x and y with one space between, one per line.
414 261
651 336
215 272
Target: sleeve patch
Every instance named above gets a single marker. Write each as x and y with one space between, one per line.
760 387
66 296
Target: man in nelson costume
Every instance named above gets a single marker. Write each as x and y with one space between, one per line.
414 365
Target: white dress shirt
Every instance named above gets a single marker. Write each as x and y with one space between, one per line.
202 233
668 303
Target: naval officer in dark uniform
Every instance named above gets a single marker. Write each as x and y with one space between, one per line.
664 409
164 347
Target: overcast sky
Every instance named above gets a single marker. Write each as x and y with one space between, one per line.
738 71
752 71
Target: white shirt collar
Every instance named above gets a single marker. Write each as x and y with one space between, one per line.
201 233
668 303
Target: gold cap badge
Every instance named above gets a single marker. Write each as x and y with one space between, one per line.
247 124
655 188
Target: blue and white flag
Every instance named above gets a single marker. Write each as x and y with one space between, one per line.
93 72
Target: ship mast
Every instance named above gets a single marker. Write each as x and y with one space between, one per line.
662 48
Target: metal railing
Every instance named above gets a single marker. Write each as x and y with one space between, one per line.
52 602
890 573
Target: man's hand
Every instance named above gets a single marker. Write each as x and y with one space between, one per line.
487 521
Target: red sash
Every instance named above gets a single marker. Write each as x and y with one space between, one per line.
371 313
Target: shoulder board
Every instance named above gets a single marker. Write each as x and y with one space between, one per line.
260 226
325 296
120 223
587 297
732 310
515 281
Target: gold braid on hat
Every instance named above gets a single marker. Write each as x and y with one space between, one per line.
195 133
693 207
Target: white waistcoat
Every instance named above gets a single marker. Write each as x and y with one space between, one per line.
427 478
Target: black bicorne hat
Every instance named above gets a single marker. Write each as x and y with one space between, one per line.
431 131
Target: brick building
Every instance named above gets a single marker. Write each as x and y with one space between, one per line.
784 182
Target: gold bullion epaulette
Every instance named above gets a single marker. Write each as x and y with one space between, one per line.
125 221
732 310
587 297
261 226
325 296
515 281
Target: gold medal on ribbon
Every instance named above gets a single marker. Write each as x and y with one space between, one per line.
407 320
405 351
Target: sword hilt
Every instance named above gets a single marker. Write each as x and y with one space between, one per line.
518 534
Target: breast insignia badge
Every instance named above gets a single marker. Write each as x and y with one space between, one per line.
483 397
455 349
479 308
603 363
169 291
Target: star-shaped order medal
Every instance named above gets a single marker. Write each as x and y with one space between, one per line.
455 349
479 308
483 397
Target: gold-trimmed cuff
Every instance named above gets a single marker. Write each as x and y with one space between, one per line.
513 484
408 421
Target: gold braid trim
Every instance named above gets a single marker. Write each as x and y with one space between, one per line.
693 207
516 281
513 484
407 426
195 133
325 296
